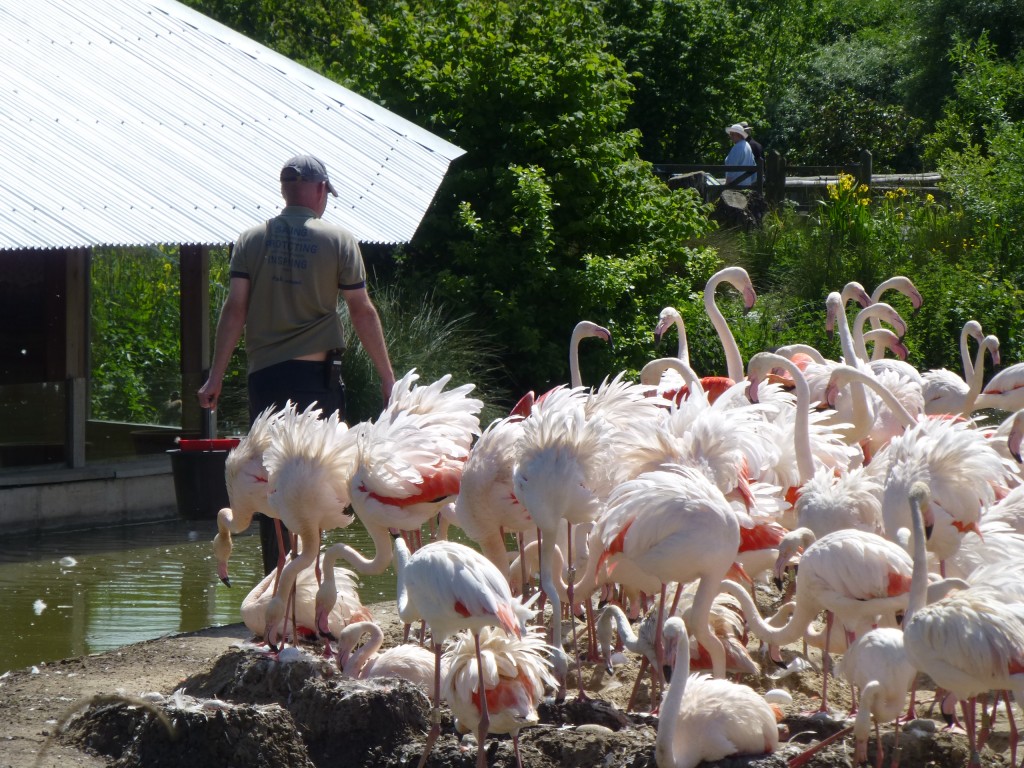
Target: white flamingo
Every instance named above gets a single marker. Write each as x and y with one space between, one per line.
347 607
970 642
308 464
246 480
738 278
877 666
486 507
706 719
452 587
945 391
856 576
676 525
409 465
512 680
407 661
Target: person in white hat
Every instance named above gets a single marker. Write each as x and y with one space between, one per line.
740 154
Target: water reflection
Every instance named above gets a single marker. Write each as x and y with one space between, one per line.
70 594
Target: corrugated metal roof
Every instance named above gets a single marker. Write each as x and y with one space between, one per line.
134 122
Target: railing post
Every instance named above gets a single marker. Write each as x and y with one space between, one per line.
775 171
865 168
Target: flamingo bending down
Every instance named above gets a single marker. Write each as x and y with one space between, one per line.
705 719
857 576
486 507
308 465
514 674
452 587
410 662
969 642
877 665
246 481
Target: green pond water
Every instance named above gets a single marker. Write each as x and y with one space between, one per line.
70 594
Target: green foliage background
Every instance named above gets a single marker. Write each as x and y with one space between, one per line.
554 215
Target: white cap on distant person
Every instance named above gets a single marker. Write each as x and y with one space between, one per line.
306 168
738 129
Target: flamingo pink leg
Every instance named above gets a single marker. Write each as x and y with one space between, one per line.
804 757
485 719
435 712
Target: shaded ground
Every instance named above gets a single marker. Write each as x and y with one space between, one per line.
238 708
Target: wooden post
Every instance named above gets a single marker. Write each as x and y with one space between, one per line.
775 172
194 270
77 265
865 168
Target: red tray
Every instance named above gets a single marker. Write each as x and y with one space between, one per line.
214 444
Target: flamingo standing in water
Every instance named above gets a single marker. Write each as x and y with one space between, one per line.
512 681
451 587
705 719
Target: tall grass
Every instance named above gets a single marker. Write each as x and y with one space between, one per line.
421 335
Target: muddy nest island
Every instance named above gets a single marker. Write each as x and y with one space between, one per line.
245 708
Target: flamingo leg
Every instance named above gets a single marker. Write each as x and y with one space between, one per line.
435 712
1013 728
968 708
894 762
878 746
636 684
804 757
485 720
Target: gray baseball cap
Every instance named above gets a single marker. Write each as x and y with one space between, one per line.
306 168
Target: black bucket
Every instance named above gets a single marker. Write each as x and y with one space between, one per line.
199 481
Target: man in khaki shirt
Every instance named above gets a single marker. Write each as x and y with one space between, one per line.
286 276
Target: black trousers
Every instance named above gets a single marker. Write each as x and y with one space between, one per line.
304 382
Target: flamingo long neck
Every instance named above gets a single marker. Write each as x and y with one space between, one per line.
846 374
989 345
669 749
790 632
361 661
381 557
873 312
628 636
733 360
919 579
406 612
652 371
682 348
802 429
898 283
859 401
971 329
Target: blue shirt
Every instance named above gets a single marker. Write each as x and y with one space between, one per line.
740 154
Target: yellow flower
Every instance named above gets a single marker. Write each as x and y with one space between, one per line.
929 198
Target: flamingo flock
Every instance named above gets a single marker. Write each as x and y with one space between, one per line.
670 500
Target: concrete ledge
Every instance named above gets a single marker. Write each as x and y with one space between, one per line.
45 499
